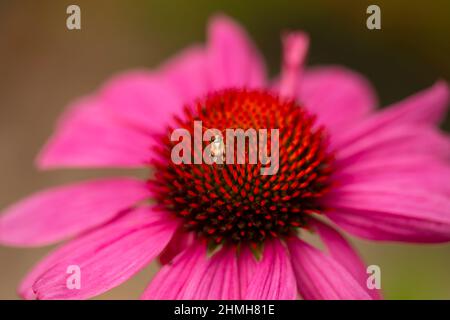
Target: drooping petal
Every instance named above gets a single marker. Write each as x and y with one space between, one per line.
233 60
62 212
195 276
398 162
273 277
390 212
427 106
339 97
423 171
395 141
142 99
424 108
106 257
321 277
88 135
401 155
135 217
340 250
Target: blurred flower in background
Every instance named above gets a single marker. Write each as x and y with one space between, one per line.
86 51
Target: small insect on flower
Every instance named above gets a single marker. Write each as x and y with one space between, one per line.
224 230
218 150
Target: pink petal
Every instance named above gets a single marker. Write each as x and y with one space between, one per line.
247 266
66 250
273 277
395 141
171 280
402 163
188 74
426 107
322 277
62 212
295 48
195 276
106 257
88 135
399 169
389 212
180 241
233 60
339 97
340 250
143 100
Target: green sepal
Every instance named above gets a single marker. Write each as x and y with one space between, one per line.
213 247
257 250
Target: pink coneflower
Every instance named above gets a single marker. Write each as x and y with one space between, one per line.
226 231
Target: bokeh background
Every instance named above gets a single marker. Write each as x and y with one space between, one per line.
43 66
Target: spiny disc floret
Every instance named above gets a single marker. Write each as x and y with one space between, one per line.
235 203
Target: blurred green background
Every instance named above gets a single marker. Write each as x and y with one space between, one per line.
44 66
